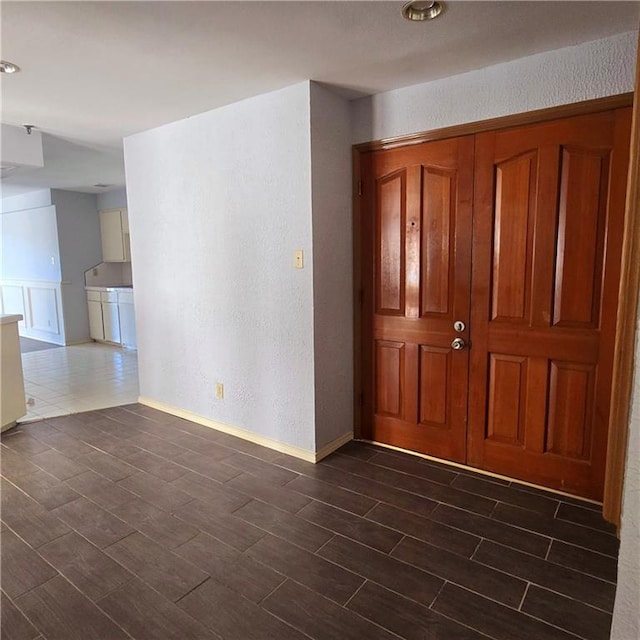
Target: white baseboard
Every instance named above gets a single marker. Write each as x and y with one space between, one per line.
303 454
333 446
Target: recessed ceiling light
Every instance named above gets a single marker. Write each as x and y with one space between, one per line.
8 67
420 10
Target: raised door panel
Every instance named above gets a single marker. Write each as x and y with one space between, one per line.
571 408
111 322
113 249
580 246
389 365
96 327
438 225
513 236
507 399
390 244
435 374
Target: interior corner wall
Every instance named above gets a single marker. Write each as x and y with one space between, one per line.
217 205
583 72
116 199
332 264
80 249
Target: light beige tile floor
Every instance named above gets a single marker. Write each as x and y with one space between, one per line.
78 378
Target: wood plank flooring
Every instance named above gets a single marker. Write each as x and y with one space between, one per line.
131 523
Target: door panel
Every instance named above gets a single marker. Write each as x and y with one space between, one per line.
547 228
389 378
416 239
390 246
513 237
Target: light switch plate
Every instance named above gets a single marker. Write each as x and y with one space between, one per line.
298 259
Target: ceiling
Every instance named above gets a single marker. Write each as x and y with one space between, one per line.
94 72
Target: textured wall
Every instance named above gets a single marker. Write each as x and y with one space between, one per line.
332 264
626 615
217 205
590 70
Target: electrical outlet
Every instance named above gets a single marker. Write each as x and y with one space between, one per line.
219 391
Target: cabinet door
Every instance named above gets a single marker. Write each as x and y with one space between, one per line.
113 249
96 329
111 322
127 325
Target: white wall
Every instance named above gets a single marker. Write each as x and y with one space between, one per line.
582 72
80 249
30 200
626 613
332 264
116 199
30 244
20 149
217 205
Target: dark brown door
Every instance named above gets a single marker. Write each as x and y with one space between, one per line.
416 257
548 223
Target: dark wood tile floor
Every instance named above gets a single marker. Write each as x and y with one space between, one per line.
130 523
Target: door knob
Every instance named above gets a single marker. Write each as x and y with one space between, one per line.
458 344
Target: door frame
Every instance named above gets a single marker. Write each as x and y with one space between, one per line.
627 305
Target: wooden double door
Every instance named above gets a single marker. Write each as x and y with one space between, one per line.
489 279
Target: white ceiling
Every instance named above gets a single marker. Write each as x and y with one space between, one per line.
93 72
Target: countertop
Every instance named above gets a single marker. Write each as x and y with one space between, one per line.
10 318
121 287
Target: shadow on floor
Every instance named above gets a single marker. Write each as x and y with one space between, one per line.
27 345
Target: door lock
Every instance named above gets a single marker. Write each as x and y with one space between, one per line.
459 326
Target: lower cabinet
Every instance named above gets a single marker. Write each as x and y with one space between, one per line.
112 317
127 320
96 328
111 321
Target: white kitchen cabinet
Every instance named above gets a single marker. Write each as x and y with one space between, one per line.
114 228
111 321
127 319
111 316
96 328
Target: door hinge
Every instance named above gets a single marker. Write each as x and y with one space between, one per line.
361 296
361 399
359 187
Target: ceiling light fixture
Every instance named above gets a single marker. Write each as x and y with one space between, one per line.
8 67
420 10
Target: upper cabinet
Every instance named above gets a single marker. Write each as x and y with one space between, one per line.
114 227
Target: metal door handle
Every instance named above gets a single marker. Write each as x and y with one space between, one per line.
458 344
